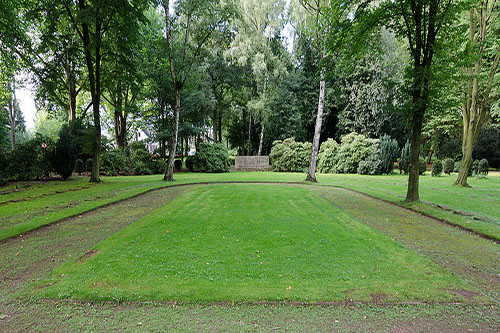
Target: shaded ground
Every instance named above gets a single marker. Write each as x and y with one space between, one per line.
31 257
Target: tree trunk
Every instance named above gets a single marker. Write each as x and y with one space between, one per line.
311 172
12 117
214 122
249 132
220 126
261 142
72 92
169 175
412 193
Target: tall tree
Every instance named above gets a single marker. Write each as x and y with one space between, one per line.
187 31
423 24
258 22
484 50
97 22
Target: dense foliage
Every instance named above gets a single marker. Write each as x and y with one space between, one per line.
290 156
211 158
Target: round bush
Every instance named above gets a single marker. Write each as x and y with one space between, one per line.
113 163
178 165
290 156
189 163
211 158
88 164
31 160
159 166
437 168
475 167
456 167
448 165
79 166
484 167
326 156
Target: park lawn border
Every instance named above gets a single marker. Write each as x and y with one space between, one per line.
22 228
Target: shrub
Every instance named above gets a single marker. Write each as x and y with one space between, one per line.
140 159
141 168
437 168
211 158
88 164
178 165
3 167
475 167
370 166
448 165
113 163
290 156
326 156
159 166
31 159
404 162
388 153
488 145
353 149
189 163
79 166
422 166
484 167
64 155
456 167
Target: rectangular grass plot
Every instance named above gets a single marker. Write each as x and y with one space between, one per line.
251 243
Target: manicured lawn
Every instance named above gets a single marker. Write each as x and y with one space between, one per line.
251 243
41 204
482 200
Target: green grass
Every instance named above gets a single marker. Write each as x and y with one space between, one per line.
251 243
45 203
482 200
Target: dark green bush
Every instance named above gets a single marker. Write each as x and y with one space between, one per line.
404 162
484 167
79 166
178 165
437 168
88 164
189 163
113 163
64 154
290 156
388 153
211 158
488 145
31 160
422 166
3 166
448 165
475 167
456 167
140 159
159 167
141 168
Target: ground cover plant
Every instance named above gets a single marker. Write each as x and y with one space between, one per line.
249 243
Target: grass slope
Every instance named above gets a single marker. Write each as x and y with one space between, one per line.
250 243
